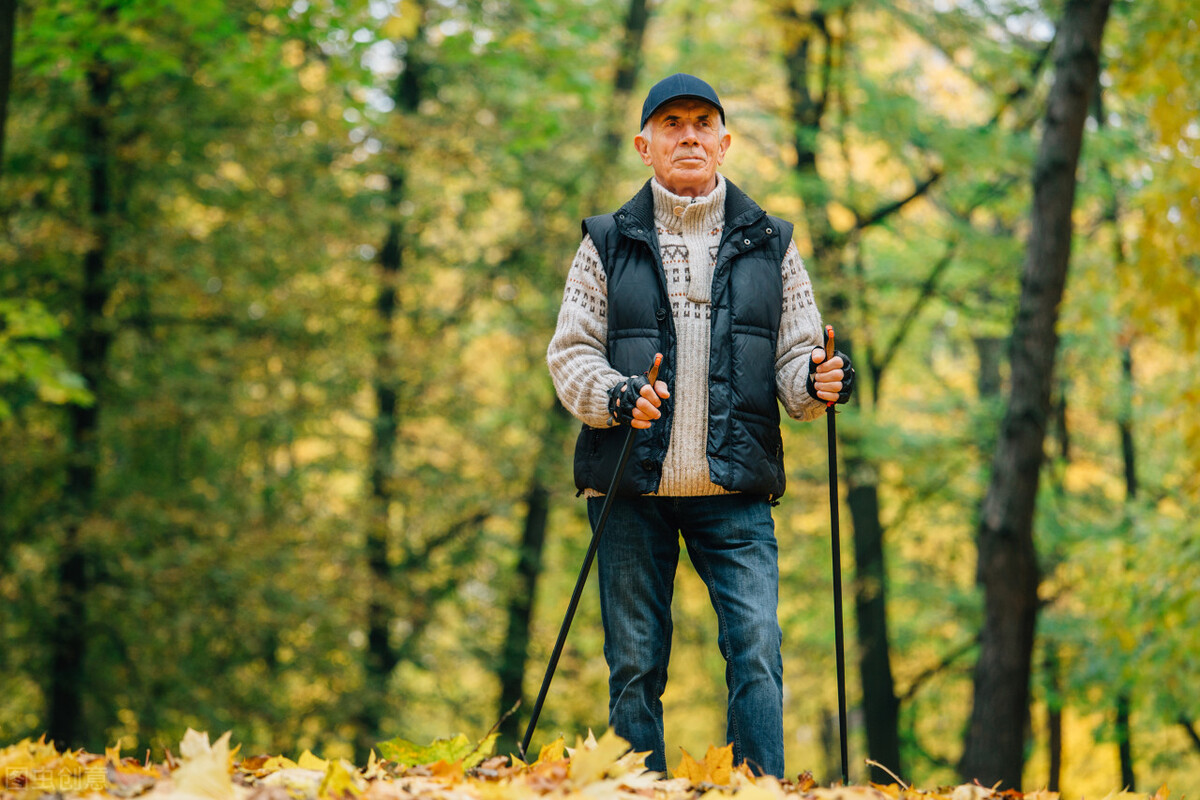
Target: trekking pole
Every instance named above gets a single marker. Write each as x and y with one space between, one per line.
652 376
831 416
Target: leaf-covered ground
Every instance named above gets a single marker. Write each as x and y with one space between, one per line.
448 769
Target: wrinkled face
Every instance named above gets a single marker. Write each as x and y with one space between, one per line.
685 147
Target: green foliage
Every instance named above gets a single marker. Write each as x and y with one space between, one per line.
253 148
30 370
458 749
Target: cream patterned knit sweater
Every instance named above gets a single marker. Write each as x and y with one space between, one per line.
689 232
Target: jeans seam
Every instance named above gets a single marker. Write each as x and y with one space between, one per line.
664 654
710 580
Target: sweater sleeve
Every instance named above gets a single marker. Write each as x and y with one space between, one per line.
578 352
799 333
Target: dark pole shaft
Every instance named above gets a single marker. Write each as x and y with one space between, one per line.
579 584
831 416
652 376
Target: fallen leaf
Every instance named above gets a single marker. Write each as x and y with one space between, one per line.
341 782
298 782
460 748
205 771
547 776
591 762
308 761
762 788
971 791
717 767
554 751
689 769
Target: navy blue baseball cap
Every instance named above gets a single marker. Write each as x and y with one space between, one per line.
675 87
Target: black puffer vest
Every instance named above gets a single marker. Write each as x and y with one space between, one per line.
745 452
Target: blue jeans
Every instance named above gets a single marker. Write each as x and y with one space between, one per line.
731 541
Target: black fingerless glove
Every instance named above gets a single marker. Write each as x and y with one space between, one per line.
623 397
847 377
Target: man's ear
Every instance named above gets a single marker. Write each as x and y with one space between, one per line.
722 148
643 148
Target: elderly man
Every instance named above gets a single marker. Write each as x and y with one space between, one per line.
691 268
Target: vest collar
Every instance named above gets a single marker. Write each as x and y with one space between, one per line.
635 219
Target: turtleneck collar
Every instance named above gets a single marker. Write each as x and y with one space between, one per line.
674 212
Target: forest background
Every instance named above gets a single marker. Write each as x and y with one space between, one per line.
279 452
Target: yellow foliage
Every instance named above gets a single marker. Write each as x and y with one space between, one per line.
341 782
309 761
39 768
555 751
404 23
592 760
312 76
717 767
597 769
205 771
841 218
1158 70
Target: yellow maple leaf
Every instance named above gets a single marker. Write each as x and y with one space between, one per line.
276 763
555 751
717 767
591 760
205 771
127 777
689 768
308 761
718 762
632 763
766 787
341 782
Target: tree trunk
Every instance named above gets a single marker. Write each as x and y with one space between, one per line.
1190 729
881 706
69 635
520 614
382 656
1125 427
8 27
1054 720
629 62
807 112
1125 743
990 350
533 538
1008 567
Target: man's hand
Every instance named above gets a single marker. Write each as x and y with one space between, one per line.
648 404
637 402
830 378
